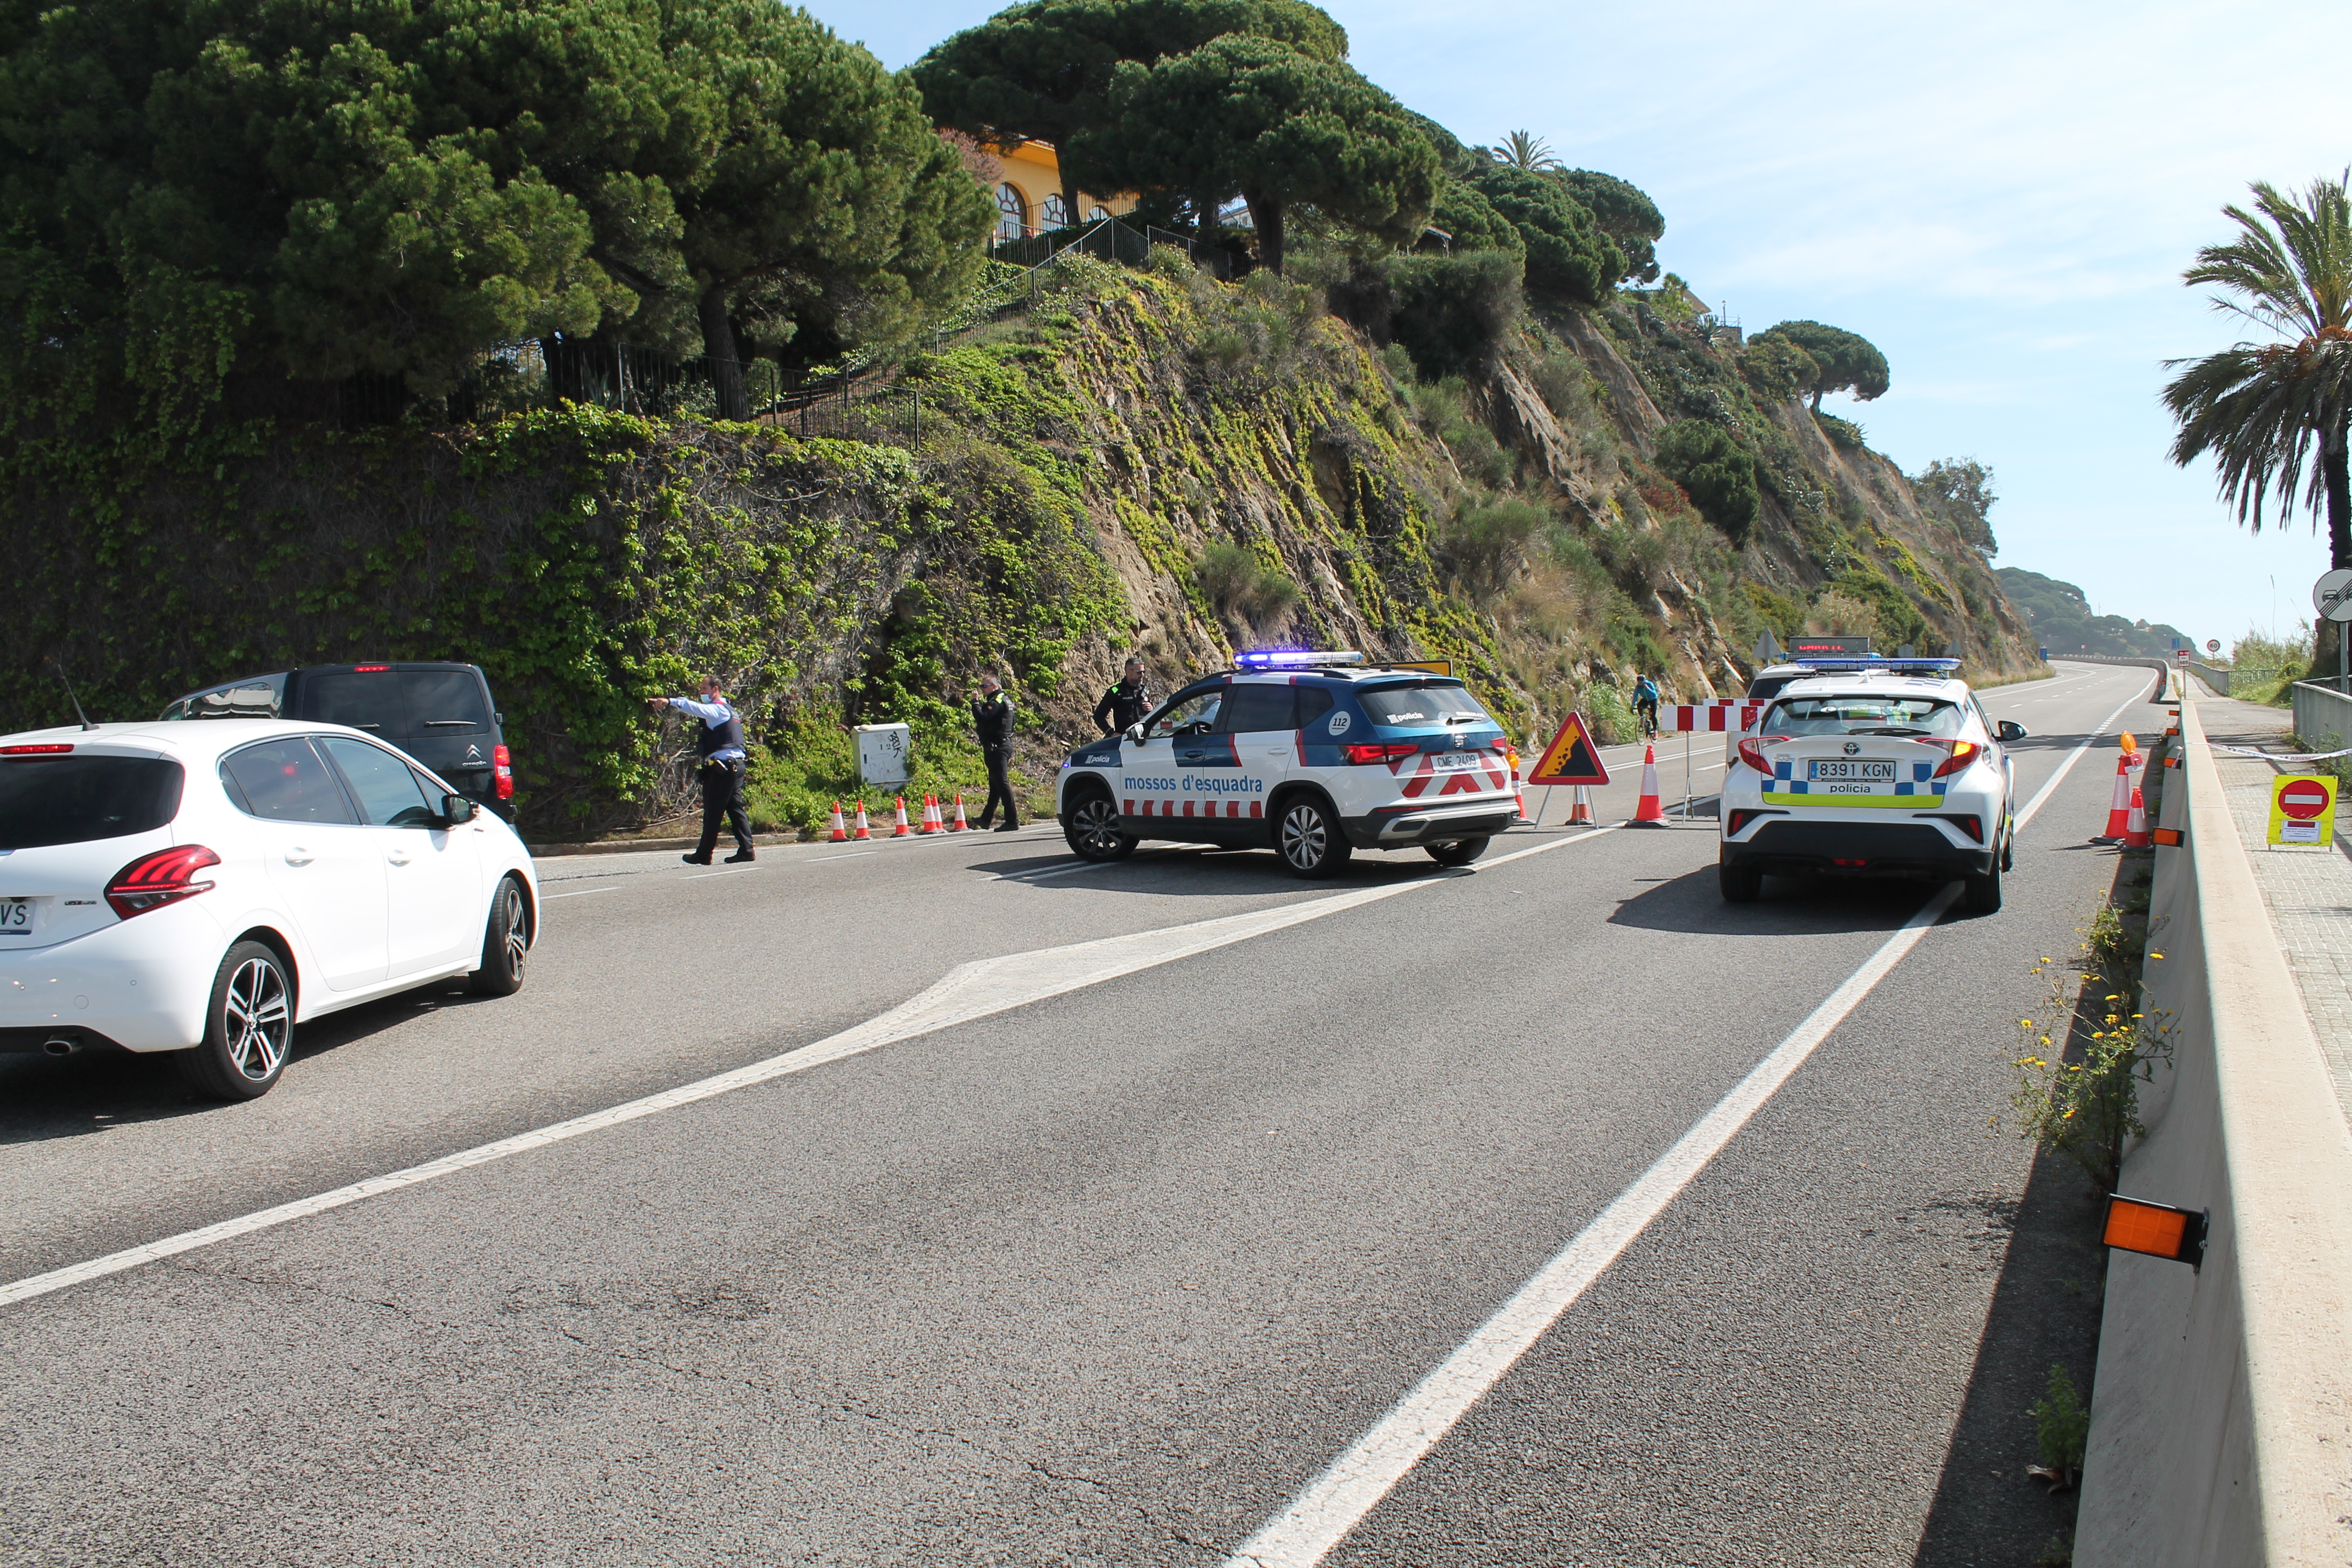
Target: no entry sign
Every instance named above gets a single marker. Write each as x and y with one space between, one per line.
2303 810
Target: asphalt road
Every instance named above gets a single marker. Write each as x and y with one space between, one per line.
1098 1256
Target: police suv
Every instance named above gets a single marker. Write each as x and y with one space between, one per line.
1315 755
1872 767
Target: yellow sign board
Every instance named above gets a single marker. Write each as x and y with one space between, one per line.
2303 810
1435 666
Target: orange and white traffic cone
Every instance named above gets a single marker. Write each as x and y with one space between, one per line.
1518 794
840 834
863 831
959 824
900 829
2119 803
1580 811
1650 812
2136 834
932 823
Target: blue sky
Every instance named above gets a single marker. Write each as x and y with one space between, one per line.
2002 197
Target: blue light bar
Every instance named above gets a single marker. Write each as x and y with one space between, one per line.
1871 661
1295 658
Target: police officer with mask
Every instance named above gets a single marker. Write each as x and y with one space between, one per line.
720 747
1124 703
991 720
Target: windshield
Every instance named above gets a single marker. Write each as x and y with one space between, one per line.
72 800
1866 713
1422 706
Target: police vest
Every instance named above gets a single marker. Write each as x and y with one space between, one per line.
718 737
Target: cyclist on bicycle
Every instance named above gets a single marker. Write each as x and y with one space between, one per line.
1646 703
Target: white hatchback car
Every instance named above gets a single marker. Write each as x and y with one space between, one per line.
204 888
1872 772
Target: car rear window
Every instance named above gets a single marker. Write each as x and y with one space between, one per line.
1866 713
370 700
74 800
444 702
284 781
1421 705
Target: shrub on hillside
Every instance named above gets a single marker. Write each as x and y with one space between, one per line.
1488 543
1451 313
1569 257
1242 588
1844 433
1717 474
1778 368
1837 614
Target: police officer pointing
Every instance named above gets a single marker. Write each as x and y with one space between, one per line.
720 747
991 720
1126 702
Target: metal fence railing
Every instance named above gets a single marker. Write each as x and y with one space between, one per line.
2321 717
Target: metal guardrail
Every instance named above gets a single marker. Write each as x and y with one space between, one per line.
2321 717
2213 676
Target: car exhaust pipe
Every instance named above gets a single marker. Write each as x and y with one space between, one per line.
60 1045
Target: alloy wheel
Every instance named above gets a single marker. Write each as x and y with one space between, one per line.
1097 821
1305 838
518 928
259 1023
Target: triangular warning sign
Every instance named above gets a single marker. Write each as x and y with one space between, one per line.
1571 758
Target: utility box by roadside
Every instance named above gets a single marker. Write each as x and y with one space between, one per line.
886 754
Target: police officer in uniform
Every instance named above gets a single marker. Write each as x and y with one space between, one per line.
1124 703
992 719
720 747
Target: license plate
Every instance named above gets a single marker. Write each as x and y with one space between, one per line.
15 917
1852 772
1444 761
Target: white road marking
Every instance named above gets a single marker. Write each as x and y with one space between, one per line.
729 872
581 894
820 859
968 992
1338 1500
2068 765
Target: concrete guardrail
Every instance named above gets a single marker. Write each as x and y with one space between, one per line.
2214 676
2323 718
2221 1413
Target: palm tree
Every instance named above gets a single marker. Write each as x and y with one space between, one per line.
2262 409
1525 150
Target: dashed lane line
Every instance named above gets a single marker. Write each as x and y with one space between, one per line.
968 992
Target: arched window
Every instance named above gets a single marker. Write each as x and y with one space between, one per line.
1012 212
1097 213
1057 213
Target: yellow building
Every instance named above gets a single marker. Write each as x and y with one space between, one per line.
1029 195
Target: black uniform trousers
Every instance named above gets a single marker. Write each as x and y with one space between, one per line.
1000 787
722 795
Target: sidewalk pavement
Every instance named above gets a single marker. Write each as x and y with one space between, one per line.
2309 894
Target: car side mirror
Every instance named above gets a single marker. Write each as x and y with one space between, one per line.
2011 729
1135 731
456 808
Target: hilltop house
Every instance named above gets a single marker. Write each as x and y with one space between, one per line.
1029 193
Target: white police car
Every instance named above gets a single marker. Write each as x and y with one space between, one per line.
1312 754
1872 767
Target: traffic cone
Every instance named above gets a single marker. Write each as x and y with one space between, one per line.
1519 796
932 823
840 834
1649 813
899 828
863 831
1581 810
2119 803
2136 834
959 824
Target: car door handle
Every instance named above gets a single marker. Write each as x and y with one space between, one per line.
397 856
296 854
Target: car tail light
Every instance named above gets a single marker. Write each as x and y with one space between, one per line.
1835 861
49 751
1751 751
164 878
502 769
1963 752
1366 752
370 669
